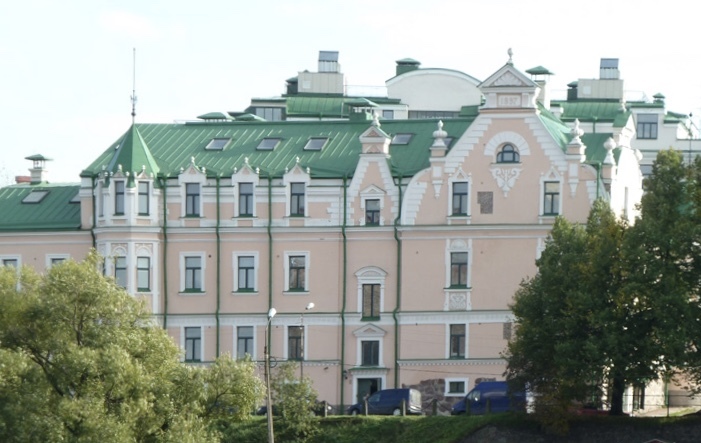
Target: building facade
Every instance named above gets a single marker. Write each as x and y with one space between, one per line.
409 236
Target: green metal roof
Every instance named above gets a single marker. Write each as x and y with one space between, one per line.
173 145
51 213
592 110
555 127
132 155
595 151
539 70
325 106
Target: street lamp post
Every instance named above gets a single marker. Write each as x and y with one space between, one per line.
266 351
309 307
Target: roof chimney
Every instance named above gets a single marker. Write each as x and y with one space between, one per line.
20 179
406 65
38 171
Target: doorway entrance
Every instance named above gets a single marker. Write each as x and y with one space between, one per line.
367 387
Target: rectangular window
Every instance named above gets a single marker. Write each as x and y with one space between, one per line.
370 353
10 262
193 344
372 212
246 273
245 199
143 274
244 341
119 198
120 271
458 269
388 114
297 273
371 301
297 199
270 114
192 199
316 143
295 340
143 198
193 274
460 198
456 387
457 341
647 126
551 198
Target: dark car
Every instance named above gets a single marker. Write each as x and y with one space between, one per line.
390 402
317 409
490 397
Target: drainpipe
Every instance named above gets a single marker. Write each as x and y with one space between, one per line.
94 214
343 288
164 183
217 178
399 287
270 251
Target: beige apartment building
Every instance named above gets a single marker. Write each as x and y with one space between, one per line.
409 236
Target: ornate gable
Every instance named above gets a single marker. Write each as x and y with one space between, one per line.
369 330
509 88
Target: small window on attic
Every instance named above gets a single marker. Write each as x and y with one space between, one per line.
268 144
217 144
35 197
315 143
402 139
76 198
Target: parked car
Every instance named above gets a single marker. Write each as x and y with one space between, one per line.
492 397
317 409
389 402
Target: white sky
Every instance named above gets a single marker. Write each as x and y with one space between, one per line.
66 67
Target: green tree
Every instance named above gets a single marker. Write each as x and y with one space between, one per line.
295 398
81 360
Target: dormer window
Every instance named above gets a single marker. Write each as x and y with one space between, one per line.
35 197
315 143
402 139
268 144
217 144
508 154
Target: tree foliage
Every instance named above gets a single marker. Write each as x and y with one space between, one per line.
80 360
295 398
614 305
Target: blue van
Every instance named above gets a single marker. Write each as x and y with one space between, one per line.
389 402
490 397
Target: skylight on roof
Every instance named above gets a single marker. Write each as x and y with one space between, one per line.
35 197
76 198
402 139
217 144
315 143
268 144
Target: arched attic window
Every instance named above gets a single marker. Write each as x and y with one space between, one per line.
508 154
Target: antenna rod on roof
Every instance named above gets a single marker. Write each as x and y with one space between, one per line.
133 91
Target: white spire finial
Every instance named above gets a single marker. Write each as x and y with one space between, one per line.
511 54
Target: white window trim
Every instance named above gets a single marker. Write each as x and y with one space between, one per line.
307 268
150 195
50 257
182 342
369 333
296 175
447 342
236 341
370 275
12 257
458 177
256 267
203 263
286 346
372 193
113 197
245 175
447 392
191 175
458 246
551 176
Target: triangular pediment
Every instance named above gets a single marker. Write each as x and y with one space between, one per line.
508 76
372 190
369 330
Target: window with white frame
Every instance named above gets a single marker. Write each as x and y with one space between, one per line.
193 344
508 154
458 269
551 198
119 197
12 262
144 188
647 126
371 288
372 211
460 198
297 191
457 340
371 301
455 387
120 271
246 200
244 342
370 352
55 259
295 342
192 272
192 199
143 274
297 271
246 271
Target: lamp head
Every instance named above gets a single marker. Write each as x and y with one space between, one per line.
309 306
272 312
